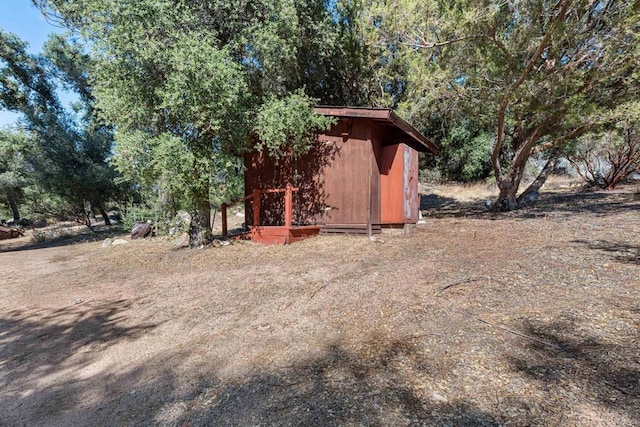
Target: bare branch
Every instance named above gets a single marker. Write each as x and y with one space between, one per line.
581 130
431 45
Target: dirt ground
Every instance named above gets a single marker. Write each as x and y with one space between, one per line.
528 318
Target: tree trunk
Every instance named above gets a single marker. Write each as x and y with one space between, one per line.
530 195
200 227
14 209
508 186
87 213
104 214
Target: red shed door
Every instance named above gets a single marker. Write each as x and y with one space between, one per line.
391 184
399 184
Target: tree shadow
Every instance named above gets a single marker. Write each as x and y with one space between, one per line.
559 204
603 368
436 206
618 251
41 341
66 240
306 173
381 381
337 387
340 388
599 203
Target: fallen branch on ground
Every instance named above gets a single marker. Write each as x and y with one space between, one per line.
520 334
318 290
467 280
619 389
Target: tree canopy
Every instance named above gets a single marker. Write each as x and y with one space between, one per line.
69 150
183 80
538 73
171 92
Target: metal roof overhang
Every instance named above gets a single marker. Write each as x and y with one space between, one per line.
401 130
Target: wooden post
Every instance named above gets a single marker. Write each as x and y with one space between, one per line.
223 211
256 207
288 206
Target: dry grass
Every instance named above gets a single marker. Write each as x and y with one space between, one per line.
481 191
465 193
539 326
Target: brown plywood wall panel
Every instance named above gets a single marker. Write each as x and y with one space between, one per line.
305 173
333 179
375 182
347 179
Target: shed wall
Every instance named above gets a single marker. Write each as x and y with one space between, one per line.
334 179
347 179
354 176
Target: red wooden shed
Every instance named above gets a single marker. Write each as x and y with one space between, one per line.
360 177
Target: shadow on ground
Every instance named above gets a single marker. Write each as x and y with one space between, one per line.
336 388
604 366
26 244
42 341
618 251
384 382
560 203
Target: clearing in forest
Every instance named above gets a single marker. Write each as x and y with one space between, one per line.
526 318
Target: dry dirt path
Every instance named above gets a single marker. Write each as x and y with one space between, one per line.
539 325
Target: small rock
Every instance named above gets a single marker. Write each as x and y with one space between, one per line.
119 242
239 214
225 242
182 241
376 239
78 301
438 397
107 242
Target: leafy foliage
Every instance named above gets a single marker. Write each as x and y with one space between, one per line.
465 152
69 150
14 170
187 83
284 125
539 73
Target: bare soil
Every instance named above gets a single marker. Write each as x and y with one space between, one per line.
527 318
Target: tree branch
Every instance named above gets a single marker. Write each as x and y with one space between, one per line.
558 141
431 45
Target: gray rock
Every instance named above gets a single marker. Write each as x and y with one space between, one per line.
107 242
117 242
438 397
182 241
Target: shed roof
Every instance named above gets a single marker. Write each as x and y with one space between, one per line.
397 128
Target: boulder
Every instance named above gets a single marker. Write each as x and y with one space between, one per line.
180 223
140 230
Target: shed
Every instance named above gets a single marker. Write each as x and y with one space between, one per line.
359 177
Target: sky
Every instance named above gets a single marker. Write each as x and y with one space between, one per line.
25 20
